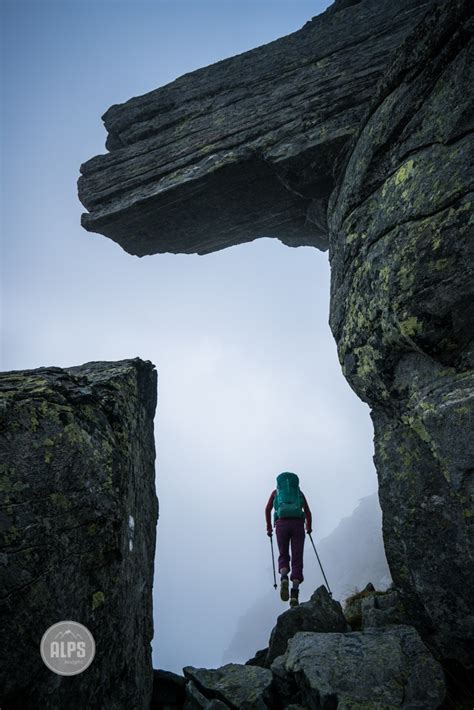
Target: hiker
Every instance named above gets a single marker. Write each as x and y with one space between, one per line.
290 511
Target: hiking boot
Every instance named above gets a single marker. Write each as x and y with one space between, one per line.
294 597
284 595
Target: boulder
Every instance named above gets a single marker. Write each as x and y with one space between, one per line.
380 668
370 608
401 312
285 688
383 609
320 613
258 659
78 514
194 700
244 148
241 687
168 691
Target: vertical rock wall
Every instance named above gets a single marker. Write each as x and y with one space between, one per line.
78 513
402 315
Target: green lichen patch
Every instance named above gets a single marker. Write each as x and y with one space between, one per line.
404 172
410 326
98 600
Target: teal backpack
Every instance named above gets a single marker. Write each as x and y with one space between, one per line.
288 501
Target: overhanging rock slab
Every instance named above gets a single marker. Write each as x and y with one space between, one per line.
244 148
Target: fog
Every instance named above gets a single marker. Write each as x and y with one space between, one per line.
249 383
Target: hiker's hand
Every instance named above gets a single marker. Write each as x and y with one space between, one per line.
308 531
269 532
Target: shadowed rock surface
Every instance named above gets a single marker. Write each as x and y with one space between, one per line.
244 148
241 687
371 608
402 311
168 691
78 513
380 668
321 613
195 700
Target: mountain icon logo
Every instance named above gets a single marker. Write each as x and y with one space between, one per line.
68 634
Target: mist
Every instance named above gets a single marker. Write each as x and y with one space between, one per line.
249 383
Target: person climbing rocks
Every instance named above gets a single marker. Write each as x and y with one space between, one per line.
290 512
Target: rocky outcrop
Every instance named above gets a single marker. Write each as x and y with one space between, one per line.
350 555
169 691
372 609
380 668
320 613
237 686
244 148
78 513
195 700
401 313
384 666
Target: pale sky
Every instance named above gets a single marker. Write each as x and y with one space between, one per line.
249 381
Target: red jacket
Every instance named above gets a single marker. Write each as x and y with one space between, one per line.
268 513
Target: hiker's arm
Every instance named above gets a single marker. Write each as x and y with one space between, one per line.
268 513
308 516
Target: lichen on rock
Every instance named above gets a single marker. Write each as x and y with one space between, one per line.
77 460
401 312
246 147
380 668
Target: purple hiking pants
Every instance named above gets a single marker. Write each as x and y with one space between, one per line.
290 530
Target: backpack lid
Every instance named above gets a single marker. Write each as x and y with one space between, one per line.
289 477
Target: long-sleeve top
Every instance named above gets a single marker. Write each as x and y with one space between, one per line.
269 506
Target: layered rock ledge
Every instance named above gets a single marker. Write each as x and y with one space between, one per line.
244 148
78 513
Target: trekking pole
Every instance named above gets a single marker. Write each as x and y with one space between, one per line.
317 556
273 561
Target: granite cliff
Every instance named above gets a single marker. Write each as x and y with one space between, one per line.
78 514
401 313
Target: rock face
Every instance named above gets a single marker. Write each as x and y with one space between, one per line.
187 160
386 667
321 613
373 609
401 313
168 691
389 668
239 687
78 513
